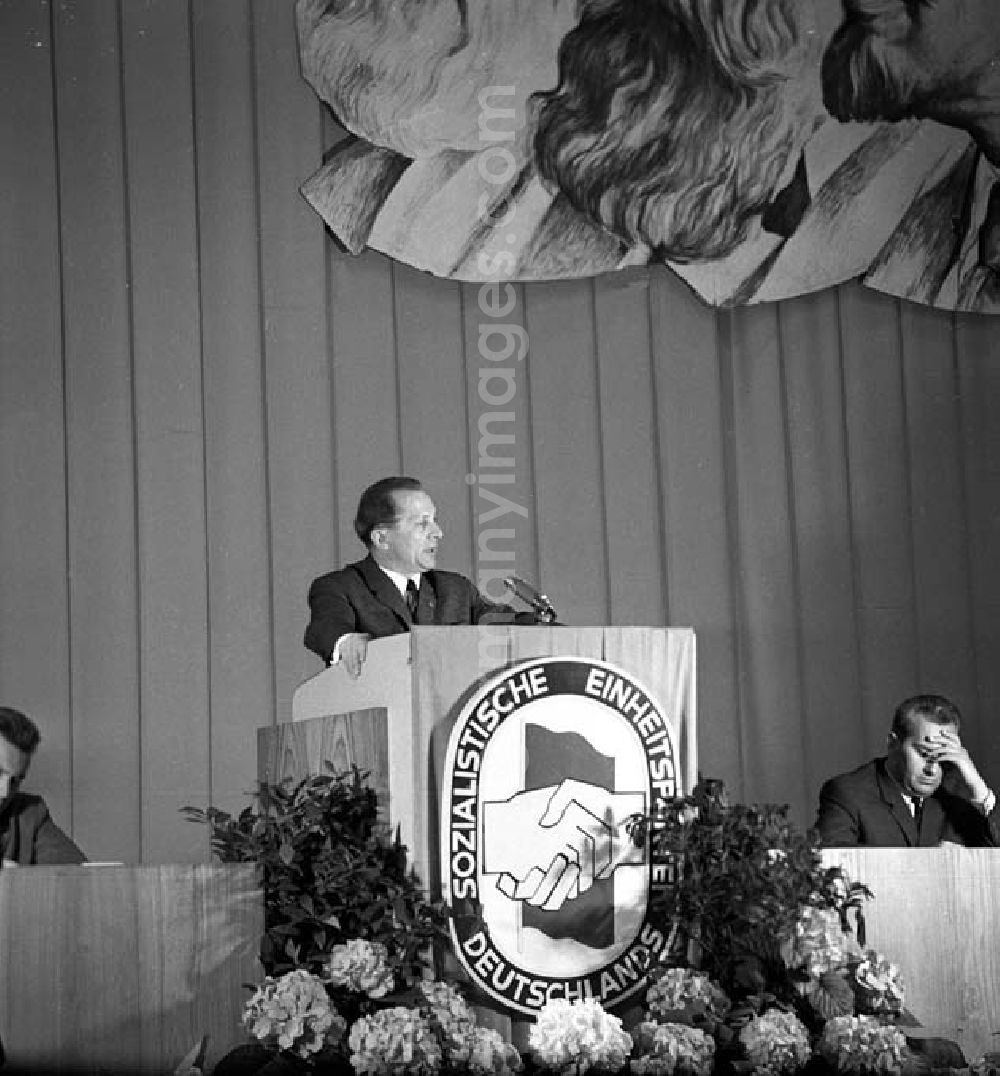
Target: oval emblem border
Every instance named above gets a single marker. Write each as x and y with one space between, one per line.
525 990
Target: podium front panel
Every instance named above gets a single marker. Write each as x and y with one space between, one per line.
451 664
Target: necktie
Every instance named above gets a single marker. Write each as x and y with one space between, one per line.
412 599
918 810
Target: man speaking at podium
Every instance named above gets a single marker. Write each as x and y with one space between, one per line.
397 585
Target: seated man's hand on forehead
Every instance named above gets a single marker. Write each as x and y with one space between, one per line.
944 746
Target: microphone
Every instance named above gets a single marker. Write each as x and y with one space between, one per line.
538 601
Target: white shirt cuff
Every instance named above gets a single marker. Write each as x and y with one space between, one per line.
987 803
335 656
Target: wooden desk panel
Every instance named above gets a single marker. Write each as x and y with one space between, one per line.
124 969
936 914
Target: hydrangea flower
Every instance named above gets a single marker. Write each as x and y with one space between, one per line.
776 1042
394 1042
862 1044
360 965
672 1050
878 985
449 1009
683 988
293 1013
483 1052
819 943
576 1036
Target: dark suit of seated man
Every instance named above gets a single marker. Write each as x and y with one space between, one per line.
925 791
397 585
27 833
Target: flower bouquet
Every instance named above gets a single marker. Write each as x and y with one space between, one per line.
297 1021
766 969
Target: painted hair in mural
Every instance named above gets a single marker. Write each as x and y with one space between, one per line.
760 148
623 135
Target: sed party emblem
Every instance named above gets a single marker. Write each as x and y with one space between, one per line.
550 893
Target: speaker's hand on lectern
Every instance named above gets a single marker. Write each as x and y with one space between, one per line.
353 649
549 845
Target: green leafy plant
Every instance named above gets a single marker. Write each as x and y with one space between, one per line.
740 876
330 870
764 975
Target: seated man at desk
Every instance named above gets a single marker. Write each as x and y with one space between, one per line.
396 585
924 791
27 833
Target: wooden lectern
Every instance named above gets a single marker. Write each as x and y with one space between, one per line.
422 679
483 721
328 743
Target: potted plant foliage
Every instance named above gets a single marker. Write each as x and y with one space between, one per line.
766 970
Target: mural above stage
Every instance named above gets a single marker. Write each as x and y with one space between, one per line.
759 148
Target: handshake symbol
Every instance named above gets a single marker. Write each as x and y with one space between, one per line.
549 845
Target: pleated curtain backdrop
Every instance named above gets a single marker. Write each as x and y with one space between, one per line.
195 385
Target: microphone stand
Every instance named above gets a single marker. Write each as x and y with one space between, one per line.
541 607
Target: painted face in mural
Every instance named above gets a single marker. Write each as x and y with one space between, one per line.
934 59
701 133
410 544
409 76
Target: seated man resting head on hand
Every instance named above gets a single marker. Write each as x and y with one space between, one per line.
27 833
926 790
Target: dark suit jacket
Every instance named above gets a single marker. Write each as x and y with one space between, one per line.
866 807
361 597
29 836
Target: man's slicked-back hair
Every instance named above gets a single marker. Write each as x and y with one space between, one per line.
18 729
936 708
377 507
